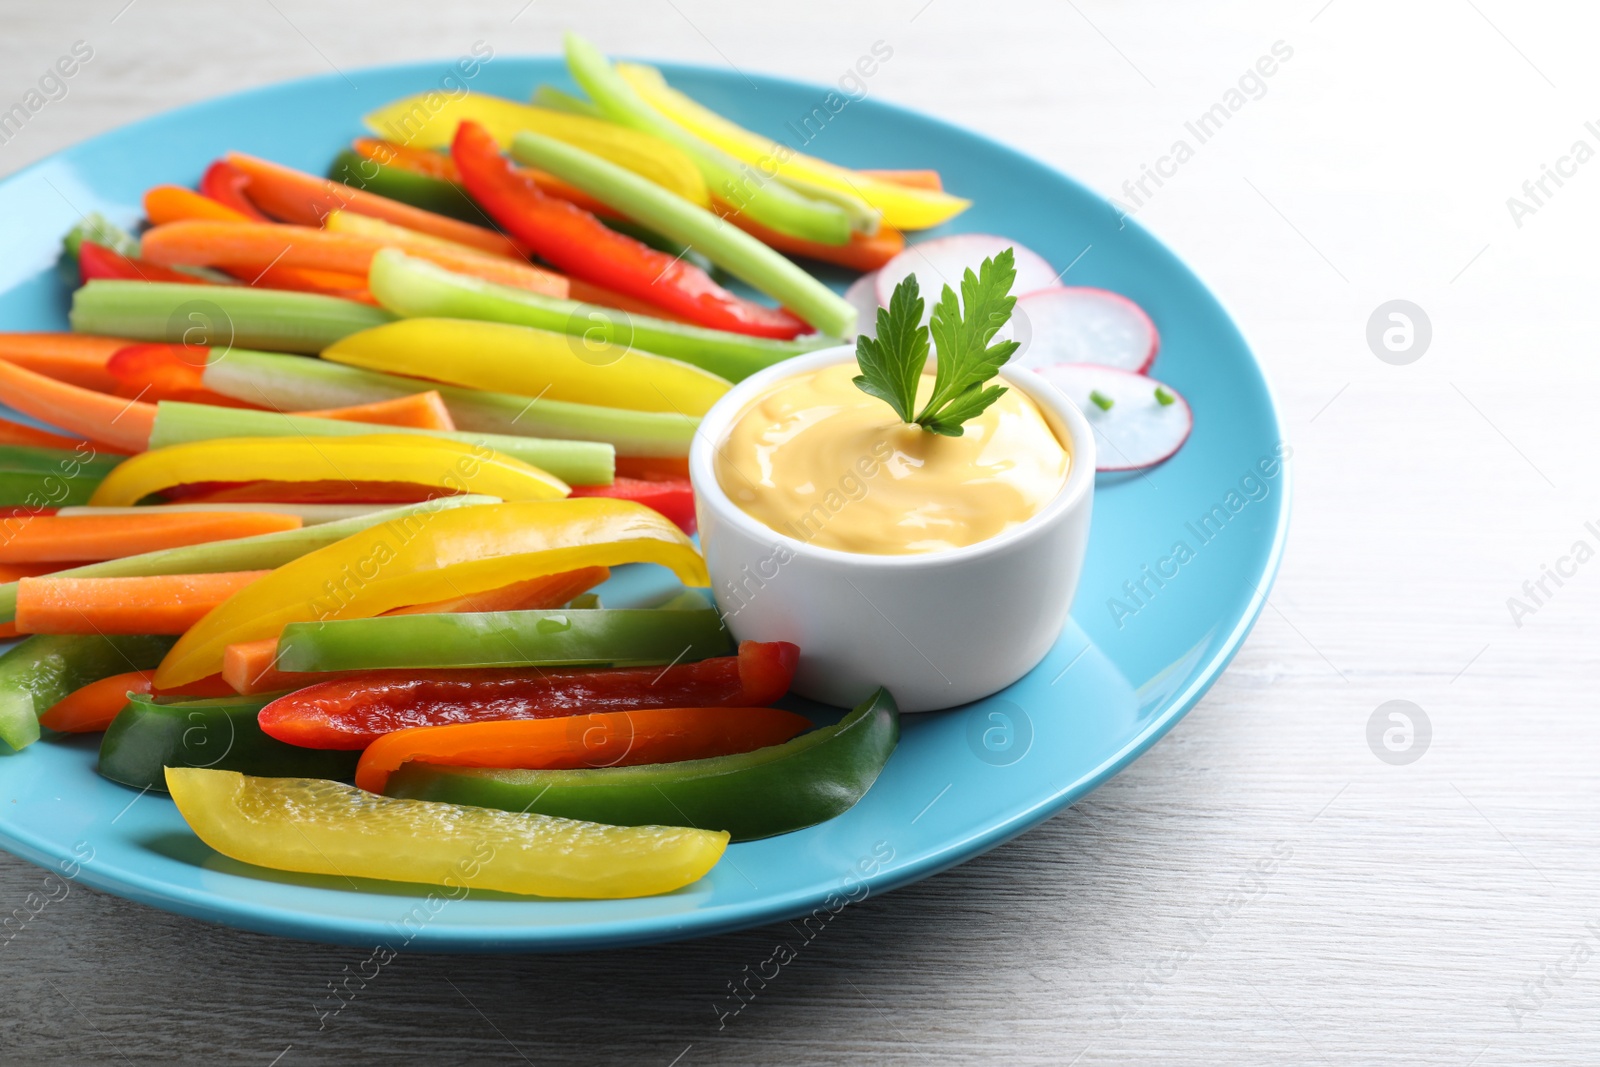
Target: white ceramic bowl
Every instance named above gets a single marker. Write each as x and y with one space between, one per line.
937 629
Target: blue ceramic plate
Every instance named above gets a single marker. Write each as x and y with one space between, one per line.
1152 628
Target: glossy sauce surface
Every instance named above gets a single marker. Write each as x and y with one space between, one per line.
817 459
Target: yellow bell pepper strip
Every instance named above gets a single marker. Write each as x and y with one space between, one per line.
444 554
904 207
771 204
410 121
322 827
719 241
538 363
415 460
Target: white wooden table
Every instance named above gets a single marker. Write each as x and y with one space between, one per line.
1261 888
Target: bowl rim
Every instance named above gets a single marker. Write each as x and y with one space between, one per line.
1075 492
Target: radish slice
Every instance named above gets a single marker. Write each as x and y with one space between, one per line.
1080 325
1137 430
863 296
940 262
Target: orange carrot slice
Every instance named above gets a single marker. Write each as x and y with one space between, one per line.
56 538
170 203
15 433
122 424
423 411
861 252
75 358
297 197
155 604
261 246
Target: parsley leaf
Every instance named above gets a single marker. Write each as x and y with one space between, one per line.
891 365
961 330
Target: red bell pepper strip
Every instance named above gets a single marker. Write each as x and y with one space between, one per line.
577 242
674 499
154 372
226 183
353 711
97 261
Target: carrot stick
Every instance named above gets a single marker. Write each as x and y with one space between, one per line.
263 245
861 252
10 572
169 203
122 424
297 197
249 666
54 538
300 280
423 411
15 433
156 604
75 358
912 179
91 708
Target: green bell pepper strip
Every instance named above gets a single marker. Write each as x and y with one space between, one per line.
723 243
34 477
574 462
407 186
44 668
414 288
290 383
596 637
219 315
222 734
756 794
262 552
769 203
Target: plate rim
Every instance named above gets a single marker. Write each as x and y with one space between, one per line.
275 919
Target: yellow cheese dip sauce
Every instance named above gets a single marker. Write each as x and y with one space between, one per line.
820 461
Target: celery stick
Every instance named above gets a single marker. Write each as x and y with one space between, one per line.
219 315
262 552
310 514
574 462
291 383
559 100
769 203
723 243
414 288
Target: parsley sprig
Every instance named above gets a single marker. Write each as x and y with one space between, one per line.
960 331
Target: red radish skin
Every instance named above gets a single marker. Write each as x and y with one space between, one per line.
1083 325
940 262
1138 431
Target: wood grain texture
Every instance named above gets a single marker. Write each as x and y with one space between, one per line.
1395 914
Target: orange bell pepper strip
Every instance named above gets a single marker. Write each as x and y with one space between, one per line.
259 245
911 179
87 537
294 196
152 604
416 559
91 709
602 739
75 358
